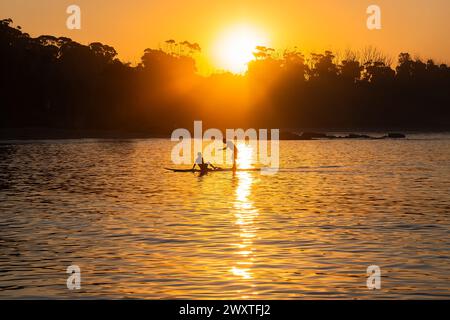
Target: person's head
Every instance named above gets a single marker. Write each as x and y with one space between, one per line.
224 140
199 154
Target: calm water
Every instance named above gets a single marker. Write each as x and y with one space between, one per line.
310 231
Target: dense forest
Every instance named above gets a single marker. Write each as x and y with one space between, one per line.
57 83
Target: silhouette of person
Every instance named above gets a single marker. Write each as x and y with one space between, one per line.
230 145
200 162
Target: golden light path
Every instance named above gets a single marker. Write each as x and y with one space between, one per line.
245 156
245 213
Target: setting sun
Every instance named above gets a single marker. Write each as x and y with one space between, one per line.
235 47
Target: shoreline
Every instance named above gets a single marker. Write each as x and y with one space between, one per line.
28 134
11 134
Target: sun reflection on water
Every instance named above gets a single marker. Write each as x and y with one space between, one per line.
245 214
245 156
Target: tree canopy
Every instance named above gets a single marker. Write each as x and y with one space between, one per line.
58 83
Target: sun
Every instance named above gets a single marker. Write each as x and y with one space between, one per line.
235 47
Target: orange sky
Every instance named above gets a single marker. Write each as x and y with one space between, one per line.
417 26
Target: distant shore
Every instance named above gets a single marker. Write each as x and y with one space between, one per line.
285 134
61 134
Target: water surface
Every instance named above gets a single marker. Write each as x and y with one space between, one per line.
310 231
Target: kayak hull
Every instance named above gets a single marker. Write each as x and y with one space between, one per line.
212 170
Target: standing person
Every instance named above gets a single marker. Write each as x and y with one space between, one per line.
230 145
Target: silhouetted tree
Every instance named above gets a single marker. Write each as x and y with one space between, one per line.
56 82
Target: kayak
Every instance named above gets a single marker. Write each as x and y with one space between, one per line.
212 170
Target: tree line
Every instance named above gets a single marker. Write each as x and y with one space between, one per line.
55 82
